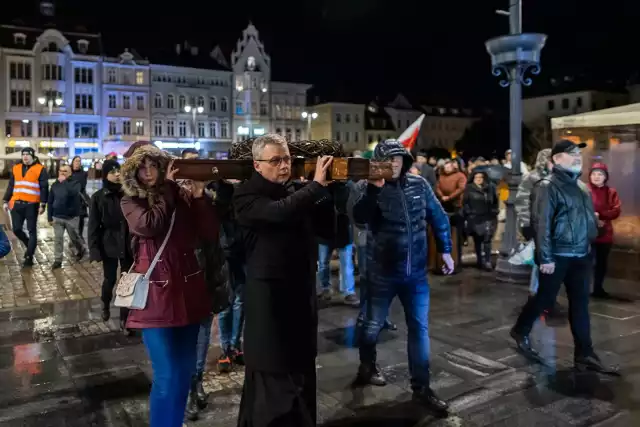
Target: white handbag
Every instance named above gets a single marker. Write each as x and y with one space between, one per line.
133 288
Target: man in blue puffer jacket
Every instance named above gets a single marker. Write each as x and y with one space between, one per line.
396 213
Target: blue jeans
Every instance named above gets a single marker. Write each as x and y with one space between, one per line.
347 281
231 319
204 337
414 297
173 357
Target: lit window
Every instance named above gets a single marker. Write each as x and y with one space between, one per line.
139 77
139 127
239 108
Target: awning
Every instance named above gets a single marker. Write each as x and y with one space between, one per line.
616 116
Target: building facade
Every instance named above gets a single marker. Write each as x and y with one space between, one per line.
342 122
63 96
51 90
442 126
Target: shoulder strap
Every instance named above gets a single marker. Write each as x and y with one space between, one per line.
159 253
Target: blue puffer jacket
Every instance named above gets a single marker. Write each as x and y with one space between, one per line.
5 244
396 216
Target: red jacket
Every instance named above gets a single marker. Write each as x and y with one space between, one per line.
177 295
606 204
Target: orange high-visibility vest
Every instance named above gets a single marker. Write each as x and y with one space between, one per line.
26 188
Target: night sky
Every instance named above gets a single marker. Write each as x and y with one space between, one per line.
433 52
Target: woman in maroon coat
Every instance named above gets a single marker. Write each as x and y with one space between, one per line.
178 299
607 206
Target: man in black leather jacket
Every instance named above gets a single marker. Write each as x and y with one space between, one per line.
564 226
396 214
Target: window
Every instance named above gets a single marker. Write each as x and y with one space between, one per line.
18 128
213 104
111 75
263 109
201 133
182 102
171 102
112 128
112 101
347 118
278 111
551 105
139 127
20 71
565 103
579 102
213 130
20 98
298 135
224 128
356 118
239 108
182 129
201 101
139 77
157 127
356 137
171 128
52 72
140 102
157 100
287 112
86 130
288 134
53 129
83 75
338 118
84 102
126 127
224 105
338 136
279 131
126 102
399 126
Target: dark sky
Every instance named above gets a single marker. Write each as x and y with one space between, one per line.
433 50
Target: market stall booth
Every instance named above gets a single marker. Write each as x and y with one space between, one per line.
612 136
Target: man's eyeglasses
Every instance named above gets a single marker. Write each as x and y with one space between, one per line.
277 161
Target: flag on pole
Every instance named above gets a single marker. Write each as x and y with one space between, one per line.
410 135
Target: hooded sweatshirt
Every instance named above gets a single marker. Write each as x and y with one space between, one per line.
606 204
523 196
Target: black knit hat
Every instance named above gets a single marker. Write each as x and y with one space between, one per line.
109 166
28 150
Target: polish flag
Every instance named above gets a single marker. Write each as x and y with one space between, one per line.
410 135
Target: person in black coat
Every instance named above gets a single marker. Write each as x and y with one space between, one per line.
80 175
279 225
480 209
108 236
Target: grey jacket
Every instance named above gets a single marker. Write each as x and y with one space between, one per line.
523 196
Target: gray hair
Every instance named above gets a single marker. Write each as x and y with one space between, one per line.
262 141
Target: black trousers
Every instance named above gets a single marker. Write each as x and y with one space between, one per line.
483 249
26 212
110 270
278 399
81 222
601 255
576 275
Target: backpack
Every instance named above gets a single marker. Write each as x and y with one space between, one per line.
5 244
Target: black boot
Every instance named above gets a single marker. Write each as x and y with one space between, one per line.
593 363
524 347
106 313
486 257
201 395
192 411
428 398
370 374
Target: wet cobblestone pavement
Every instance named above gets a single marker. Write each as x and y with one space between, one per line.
61 365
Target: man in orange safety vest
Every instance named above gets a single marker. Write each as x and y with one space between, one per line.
26 197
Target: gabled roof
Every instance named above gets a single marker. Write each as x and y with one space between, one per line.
8 38
189 55
376 118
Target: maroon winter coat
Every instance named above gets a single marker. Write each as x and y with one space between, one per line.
177 294
606 204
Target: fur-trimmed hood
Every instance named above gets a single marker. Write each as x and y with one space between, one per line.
129 172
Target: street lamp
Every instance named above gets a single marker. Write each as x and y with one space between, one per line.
512 57
50 98
309 117
194 111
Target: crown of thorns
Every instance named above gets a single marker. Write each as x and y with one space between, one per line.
308 149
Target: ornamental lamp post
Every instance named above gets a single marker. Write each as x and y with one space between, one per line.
512 57
194 111
309 117
50 98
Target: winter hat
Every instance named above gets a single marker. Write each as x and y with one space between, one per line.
28 150
598 166
109 166
134 147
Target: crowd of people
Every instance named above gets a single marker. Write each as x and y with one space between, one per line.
253 252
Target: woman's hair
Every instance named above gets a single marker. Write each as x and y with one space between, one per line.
132 185
74 159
